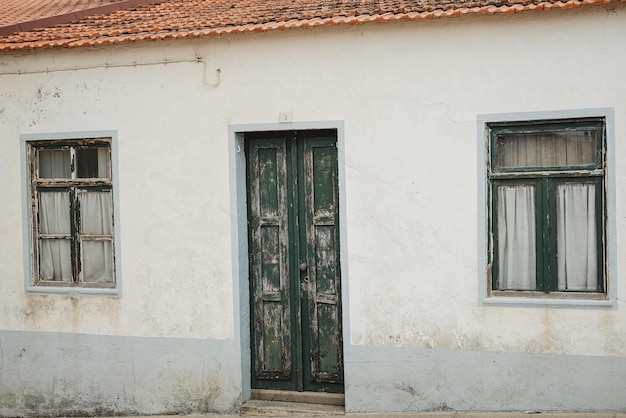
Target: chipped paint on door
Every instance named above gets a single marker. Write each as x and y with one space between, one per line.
294 263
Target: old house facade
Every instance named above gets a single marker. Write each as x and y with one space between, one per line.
415 205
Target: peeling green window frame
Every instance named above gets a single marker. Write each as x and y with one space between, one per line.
544 181
83 170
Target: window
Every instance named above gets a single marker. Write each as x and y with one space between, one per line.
72 213
547 208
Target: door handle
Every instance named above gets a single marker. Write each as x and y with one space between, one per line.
304 286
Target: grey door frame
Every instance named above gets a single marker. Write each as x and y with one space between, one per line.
239 233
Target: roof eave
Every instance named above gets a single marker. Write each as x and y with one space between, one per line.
297 24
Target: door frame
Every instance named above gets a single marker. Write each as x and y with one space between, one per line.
239 233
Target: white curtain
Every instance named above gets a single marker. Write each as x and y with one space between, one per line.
516 237
550 149
103 162
97 249
54 164
55 253
576 237
92 162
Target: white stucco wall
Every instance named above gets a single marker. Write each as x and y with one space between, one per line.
174 219
409 95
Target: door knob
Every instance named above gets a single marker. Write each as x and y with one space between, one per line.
302 266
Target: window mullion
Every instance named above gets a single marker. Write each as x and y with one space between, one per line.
75 228
541 225
75 209
73 163
550 236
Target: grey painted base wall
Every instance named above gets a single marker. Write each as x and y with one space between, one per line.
49 374
407 379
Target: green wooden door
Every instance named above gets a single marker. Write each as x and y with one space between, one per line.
294 261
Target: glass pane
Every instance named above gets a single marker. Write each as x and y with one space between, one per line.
97 261
54 213
54 164
516 237
92 162
96 209
546 149
577 238
55 260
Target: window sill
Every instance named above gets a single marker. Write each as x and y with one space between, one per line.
73 291
548 301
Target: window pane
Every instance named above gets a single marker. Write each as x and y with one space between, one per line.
54 164
577 237
92 162
96 213
97 261
546 149
54 213
516 237
55 260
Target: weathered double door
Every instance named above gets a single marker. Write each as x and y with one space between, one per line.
295 279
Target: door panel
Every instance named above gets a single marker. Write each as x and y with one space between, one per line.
294 263
323 337
269 270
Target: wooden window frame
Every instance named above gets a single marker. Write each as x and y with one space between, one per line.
74 185
545 180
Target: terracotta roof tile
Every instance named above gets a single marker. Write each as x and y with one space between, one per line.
17 11
173 19
26 15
